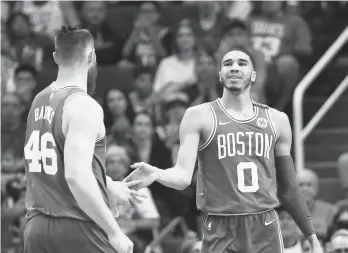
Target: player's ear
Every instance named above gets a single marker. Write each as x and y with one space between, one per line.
55 57
91 57
220 76
253 76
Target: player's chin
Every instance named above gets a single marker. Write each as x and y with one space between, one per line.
233 87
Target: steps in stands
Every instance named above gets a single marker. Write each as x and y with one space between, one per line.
326 143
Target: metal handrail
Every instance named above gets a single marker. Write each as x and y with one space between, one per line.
299 132
165 231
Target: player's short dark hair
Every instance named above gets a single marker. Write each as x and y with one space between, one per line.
71 43
246 51
234 24
139 70
26 68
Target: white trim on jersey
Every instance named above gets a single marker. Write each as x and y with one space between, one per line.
271 124
213 130
256 113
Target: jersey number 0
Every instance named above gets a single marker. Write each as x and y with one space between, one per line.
39 156
241 168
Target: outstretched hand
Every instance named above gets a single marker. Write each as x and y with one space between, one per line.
143 172
124 192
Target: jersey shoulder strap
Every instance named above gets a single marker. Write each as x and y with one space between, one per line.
263 106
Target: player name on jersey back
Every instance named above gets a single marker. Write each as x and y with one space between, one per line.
44 112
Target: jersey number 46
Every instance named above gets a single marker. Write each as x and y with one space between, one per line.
39 153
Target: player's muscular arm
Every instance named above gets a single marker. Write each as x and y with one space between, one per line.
82 119
289 192
180 176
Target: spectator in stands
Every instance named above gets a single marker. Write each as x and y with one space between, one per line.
237 9
108 45
144 54
342 165
147 29
48 16
339 242
236 34
143 83
11 211
209 23
177 71
150 148
207 87
12 128
25 80
27 45
284 40
8 62
291 239
340 222
117 116
174 108
322 212
138 216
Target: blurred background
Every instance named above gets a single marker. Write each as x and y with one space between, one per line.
155 59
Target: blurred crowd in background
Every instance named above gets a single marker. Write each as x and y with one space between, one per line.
155 59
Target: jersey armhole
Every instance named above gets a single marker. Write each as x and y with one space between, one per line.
213 130
271 124
71 97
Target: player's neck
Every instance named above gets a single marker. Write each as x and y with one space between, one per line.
236 101
72 77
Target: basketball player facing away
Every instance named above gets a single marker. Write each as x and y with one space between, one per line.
245 167
67 189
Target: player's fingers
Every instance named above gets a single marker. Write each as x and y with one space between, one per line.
127 179
133 183
138 194
137 165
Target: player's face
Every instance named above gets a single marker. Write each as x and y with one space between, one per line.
116 102
185 39
236 71
143 127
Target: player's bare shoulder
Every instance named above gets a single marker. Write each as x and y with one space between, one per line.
80 108
280 121
198 116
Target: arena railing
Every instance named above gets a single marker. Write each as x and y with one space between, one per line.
178 221
301 132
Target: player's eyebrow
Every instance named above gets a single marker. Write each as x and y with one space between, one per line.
239 60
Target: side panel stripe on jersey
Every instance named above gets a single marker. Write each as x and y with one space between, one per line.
213 130
68 99
271 124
